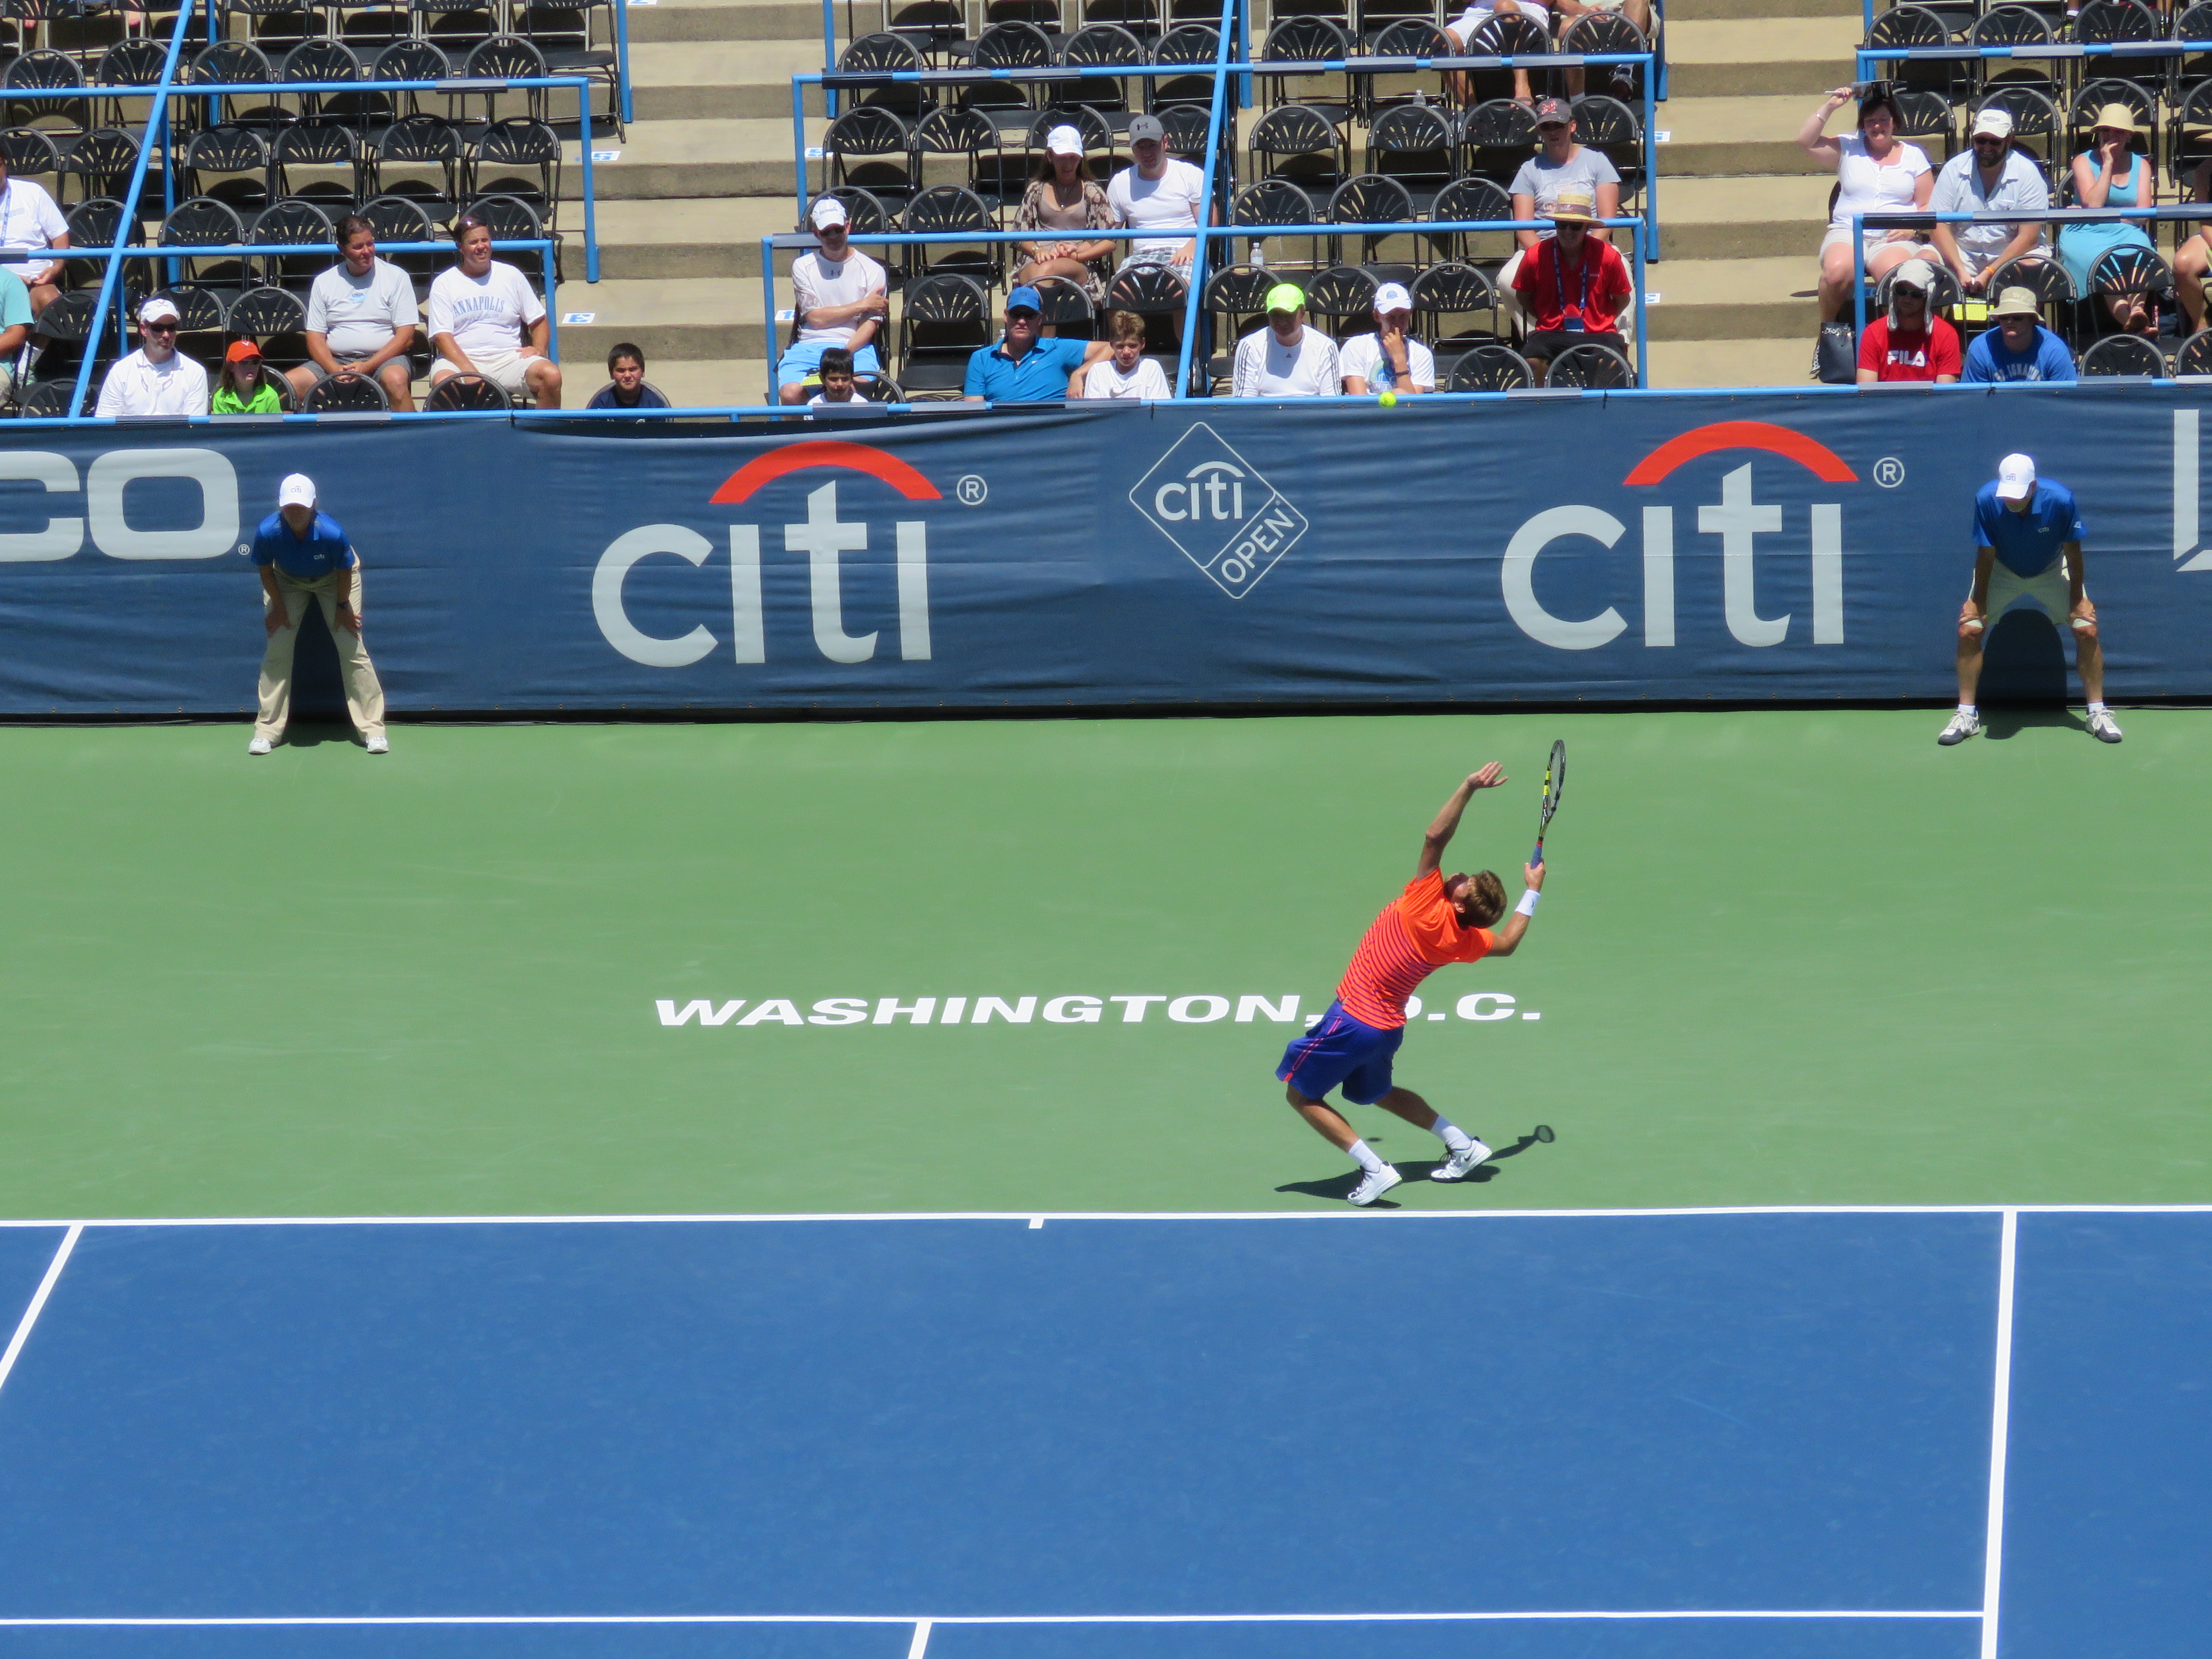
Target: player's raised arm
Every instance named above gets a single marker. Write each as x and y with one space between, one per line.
1447 819
1508 933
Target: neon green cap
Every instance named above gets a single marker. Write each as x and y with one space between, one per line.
1286 296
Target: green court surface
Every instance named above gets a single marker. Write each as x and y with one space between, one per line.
1784 957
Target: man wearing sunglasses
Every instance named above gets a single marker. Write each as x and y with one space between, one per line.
155 379
1990 177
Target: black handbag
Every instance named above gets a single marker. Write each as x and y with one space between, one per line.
1836 356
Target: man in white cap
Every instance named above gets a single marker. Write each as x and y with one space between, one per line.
1909 344
1389 359
155 379
2028 550
1990 177
304 555
839 297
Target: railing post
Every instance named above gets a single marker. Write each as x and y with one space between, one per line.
621 61
768 310
799 140
1858 274
1643 342
590 192
1201 244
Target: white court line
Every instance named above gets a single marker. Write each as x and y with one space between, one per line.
39 1301
2000 1432
1347 1215
922 1626
920 1645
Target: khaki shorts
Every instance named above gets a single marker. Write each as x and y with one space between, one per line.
507 370
2048 591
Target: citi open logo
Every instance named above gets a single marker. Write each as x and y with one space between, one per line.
1221 514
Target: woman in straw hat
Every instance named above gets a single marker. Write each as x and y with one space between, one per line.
2110 173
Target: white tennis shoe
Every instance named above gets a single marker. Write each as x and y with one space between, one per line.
1374 1186
1460 1164
2104 727
259 746
1964 724
378 744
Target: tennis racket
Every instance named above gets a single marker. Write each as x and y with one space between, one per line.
1555 780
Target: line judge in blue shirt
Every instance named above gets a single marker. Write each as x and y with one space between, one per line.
304 556
2028 550
1025 367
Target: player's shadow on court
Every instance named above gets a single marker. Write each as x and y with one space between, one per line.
312 735
1998 723
1339 1186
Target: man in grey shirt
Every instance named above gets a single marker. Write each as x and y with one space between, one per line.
361 317
1990 177
1561 167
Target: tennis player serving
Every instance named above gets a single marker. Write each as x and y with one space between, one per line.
1437 919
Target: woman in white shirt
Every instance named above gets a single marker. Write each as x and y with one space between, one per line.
1286 359
1877 172
478 313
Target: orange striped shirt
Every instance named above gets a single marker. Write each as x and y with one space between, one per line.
1418 932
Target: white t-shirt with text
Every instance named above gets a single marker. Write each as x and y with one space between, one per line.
357 316
815 282
1170 201
1266 368
484 313
1147 380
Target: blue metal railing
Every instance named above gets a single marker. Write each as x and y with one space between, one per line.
2052 51
1634 225
1231 29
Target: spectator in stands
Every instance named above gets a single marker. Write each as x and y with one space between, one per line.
1061 199
479 313
626 386
1287 359
1158 193
1129 373
15 326
1389 359
157 379
1877 172
306 558
1025 367
1560 164
2193 257
1990 177
2019 348
839 298
1462 30
1573 288
2111 174
241 389
361 318
30 221
1909 344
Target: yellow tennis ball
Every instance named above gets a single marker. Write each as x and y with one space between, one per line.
1389 400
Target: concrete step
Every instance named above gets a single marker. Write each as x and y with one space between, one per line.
1767 56
1760 217
1706 11
711 236
673 320
1676 364
722 80
663 161
1734 136
1760 299
658 21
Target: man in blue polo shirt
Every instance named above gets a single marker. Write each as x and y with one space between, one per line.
1025 368
2028 550
304 555
2019 348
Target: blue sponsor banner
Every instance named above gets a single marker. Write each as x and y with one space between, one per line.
1540 550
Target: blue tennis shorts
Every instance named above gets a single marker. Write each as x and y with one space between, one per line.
1341 1050
802 361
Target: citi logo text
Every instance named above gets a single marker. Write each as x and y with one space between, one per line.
1738 519
1214 505
824 537
101 513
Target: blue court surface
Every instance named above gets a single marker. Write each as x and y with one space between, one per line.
1730 1434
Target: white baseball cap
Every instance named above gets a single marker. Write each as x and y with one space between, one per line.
829 211
159 309
297 491
1064 141
2015 477
1392 296
1995 122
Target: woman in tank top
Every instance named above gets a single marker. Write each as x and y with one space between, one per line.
1060 200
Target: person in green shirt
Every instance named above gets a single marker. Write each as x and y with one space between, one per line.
242 390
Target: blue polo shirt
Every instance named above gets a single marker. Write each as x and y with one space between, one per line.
2027 543
2048 361
1041 375
323 549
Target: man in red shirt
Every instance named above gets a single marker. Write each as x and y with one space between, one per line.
1572 285
1909 344
1437 919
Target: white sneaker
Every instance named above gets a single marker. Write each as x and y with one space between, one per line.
1964 724
1374 1186
379 745
1456 1167
259 746
2102 727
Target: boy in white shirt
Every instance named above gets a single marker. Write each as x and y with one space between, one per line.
1129 373
841 387
838 296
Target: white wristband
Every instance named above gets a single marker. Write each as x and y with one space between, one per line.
1527 905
